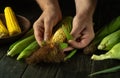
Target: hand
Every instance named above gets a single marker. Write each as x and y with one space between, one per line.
82 32
45 23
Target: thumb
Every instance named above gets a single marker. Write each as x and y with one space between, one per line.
76 31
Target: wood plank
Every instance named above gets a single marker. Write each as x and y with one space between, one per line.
78 67
101 65
41 71
10 68
3 50
69 69
30 72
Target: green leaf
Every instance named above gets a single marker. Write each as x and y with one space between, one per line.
63 45
70 54
109 70
68 36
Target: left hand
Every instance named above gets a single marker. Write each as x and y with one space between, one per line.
82 32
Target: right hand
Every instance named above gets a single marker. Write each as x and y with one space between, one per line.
44 24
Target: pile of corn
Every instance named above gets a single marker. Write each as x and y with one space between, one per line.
109 42
11 27
113 26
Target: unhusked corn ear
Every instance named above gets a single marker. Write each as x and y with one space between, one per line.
3 30
113 26
11 21
109 41
59 35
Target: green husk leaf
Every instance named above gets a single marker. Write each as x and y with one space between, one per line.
27 34
109 70
70 54
63 45
69 37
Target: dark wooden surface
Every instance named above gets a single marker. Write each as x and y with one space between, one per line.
79 66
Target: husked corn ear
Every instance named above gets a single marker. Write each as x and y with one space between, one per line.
3 30
11 21
59 35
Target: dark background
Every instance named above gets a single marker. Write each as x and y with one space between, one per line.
80 65
104 13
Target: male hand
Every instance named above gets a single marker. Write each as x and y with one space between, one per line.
82 32
45 23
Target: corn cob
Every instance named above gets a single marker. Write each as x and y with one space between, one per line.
3 30
28 50
11 21
51 51
60 36
29 33
113 53
109 41
20 45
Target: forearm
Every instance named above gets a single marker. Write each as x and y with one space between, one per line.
85 7
46 4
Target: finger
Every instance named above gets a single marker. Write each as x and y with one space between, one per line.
76 30
68 49
48 31
83 43
86 37
38 32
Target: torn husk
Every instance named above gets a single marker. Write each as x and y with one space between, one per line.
48 53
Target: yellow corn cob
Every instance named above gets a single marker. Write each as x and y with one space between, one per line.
3 30
11 21
59 35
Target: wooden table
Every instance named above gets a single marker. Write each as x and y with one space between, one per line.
79 66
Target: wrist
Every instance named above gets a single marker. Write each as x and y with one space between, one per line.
85 7
48 4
